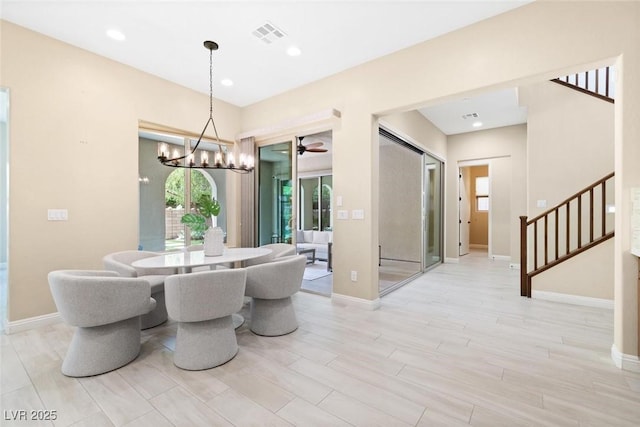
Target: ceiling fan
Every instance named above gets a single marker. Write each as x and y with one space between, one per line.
314 147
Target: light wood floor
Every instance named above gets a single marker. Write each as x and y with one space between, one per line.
456 347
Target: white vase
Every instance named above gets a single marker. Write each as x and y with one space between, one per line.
214 242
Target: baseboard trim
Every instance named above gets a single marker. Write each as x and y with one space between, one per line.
356 302
573 299
452 260
626 362
32 323
476 246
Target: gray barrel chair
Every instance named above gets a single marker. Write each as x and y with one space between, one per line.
202 303
278 250
105 309
270 286
120 262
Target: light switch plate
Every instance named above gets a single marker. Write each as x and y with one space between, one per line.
343 214
357 214
57 215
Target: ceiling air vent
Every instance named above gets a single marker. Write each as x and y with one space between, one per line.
470 116
268 33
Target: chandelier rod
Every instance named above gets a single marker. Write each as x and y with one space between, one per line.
223 163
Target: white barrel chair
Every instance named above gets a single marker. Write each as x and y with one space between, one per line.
105 309
120 262
202 303
270 286
278 250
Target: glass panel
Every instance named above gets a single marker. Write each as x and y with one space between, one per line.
316 196
325 207
433 211
482 204
400 214
275 189
308 204
482 186
163 194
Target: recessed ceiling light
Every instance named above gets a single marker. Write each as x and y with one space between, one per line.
116 34
477 124
226 82
294 51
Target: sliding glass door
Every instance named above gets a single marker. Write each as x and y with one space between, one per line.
410 211
275 194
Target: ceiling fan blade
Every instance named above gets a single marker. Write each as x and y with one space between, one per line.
317 150
314 145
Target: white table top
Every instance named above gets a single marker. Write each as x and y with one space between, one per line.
189 259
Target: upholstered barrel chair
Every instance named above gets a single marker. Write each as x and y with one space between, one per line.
120 262
202 303
270 286
105 309
278 250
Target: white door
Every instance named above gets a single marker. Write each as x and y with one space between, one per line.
464 209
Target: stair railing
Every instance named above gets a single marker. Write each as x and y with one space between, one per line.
599 83
565 230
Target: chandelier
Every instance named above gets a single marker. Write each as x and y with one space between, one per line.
221 160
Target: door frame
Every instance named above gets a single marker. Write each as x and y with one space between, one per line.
466 164
283 139
464 205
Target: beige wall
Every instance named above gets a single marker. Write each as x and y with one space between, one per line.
589 274
504 150
74 145
535 42
566 128
571 142
415 128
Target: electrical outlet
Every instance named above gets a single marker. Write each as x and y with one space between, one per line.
354 276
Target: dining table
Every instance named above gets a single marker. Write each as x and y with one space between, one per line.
184 261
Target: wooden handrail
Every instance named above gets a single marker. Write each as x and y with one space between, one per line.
574 196
580 246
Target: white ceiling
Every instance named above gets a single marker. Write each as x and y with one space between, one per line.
165 38
493 109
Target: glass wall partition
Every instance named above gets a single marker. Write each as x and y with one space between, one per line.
410 211
275 194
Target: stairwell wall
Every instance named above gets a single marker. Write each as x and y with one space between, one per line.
570 145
